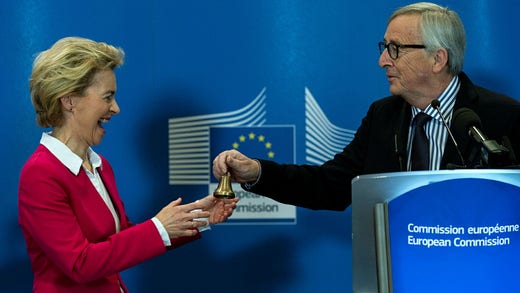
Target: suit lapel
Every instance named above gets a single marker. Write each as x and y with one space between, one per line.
401 135
466 98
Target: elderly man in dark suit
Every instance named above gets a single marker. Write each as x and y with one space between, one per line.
422 53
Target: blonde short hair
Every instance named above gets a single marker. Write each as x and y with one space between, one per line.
68 67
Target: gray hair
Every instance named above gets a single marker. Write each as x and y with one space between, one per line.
441 28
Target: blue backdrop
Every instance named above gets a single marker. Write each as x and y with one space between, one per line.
188 58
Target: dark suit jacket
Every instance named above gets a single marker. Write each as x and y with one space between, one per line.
379 146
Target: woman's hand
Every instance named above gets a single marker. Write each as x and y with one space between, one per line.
180 220
219 209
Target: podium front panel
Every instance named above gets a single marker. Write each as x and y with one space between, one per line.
426 210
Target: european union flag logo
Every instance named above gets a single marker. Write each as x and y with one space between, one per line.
263 142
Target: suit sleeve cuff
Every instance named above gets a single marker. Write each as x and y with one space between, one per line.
205 220
249 185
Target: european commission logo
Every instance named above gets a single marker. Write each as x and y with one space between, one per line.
269 142
262 142
194 141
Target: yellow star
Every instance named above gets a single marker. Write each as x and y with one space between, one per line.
242 138
270 154
251 136
261 138
235 145
268 145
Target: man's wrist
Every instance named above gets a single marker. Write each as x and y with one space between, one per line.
251 184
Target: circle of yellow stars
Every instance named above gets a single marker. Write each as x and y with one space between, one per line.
253 137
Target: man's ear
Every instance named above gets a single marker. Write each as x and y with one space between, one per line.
440 60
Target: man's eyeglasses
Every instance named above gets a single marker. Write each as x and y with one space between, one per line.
393 48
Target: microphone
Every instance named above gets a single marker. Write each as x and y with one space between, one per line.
468 122
436 105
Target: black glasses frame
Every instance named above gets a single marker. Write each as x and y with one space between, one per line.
393 48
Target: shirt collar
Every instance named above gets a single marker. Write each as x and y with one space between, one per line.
68 158
447 101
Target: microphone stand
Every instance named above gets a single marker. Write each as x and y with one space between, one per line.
436 105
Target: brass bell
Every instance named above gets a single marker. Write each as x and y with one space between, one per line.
224 189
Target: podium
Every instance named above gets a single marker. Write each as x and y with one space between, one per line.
436 231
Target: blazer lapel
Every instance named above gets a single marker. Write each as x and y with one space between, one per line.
110 184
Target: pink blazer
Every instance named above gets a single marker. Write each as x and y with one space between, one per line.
70 232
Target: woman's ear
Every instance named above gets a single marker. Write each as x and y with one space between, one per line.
66 102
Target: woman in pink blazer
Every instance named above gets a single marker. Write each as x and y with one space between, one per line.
73 220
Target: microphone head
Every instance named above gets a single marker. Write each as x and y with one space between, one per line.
435 104
463 119
461 122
